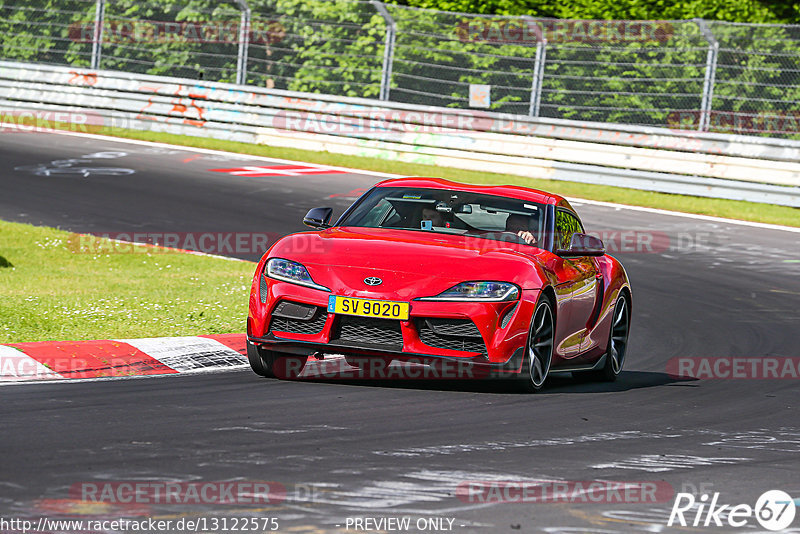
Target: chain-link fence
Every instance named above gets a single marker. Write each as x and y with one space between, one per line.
734 78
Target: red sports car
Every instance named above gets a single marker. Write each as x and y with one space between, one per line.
500 279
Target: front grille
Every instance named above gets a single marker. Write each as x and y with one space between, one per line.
453 334
295 318
367 331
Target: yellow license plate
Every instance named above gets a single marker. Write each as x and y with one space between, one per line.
368 308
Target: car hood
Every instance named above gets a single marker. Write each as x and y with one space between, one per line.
409 263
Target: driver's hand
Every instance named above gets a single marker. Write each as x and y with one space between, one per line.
527 237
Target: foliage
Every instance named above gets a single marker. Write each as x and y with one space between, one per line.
727 10
326 46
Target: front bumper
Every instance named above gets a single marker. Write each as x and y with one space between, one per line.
503 329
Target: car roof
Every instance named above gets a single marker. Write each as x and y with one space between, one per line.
511 191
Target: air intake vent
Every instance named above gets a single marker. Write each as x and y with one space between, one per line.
366 331
452 334
297 318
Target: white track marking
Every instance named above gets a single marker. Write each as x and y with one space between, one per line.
189 354
784 440
405 493
236 155
656 463
61 381
498 446
389 175
657 211
16 365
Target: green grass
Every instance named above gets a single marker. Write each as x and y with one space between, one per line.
732 209
51 292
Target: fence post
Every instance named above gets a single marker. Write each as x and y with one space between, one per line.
97 35
388 49
538 67
244 42
710 77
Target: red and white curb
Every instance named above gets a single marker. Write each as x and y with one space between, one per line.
59 360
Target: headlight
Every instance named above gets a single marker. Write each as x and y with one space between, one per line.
479 291
291 271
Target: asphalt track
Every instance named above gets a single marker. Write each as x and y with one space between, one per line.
380 449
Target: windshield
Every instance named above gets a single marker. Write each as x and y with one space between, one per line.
450 212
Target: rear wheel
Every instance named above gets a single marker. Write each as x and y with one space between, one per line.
539 349
273 364
617 342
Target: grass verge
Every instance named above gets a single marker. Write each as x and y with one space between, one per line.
51 292
732 209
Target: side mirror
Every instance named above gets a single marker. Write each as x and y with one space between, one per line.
583 245
318 218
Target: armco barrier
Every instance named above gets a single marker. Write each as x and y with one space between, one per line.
654 159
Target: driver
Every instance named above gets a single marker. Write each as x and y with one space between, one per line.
430 214
518 225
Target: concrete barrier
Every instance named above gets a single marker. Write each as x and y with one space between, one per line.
684 162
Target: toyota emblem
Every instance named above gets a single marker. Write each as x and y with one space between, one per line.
373 281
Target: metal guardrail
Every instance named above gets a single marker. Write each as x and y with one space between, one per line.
703 75
713 165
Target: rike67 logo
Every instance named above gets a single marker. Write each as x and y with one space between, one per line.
774 510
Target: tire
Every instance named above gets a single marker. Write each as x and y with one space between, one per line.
259 365
617 342
539 348
271 364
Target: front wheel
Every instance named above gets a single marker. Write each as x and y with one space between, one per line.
539 349
273 364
